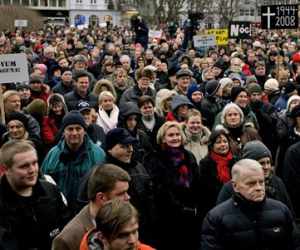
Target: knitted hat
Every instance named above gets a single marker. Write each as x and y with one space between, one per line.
271 84
224 81
219 64
295 112
235 91
236 76
255 150
118 136
290 100
23 86
71 118
254 88
211 87
193 88
35 79
251 79
19 117
37 106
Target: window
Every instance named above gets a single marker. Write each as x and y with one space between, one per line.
93 1
62 3
44 2
78 1
52 3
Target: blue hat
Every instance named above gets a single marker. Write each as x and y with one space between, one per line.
193 88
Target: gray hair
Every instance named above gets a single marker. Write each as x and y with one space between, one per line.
227 108
242 165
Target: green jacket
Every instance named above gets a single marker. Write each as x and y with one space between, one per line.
67 168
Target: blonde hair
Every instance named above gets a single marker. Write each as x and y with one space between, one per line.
105 93
166 126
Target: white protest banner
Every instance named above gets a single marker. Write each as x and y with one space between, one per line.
21 23
13 68
155 33
204 41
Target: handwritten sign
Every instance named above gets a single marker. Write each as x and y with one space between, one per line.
221 35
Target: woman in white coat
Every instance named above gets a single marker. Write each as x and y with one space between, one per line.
108 112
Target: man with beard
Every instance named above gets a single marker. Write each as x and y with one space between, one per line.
150 121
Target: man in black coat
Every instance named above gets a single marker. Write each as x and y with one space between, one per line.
80 92
32 210
291 175
249 220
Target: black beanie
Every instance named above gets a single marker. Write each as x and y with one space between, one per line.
235 91
255 150
211 87
19 117
73 117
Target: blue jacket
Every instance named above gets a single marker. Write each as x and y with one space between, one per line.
67 168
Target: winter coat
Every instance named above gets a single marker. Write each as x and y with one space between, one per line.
241 224
209 181
291 175
177 204
275 189
159 121
30 222
67 168
266 116
133 94
210 107
49 130
62 89
73 99
197 144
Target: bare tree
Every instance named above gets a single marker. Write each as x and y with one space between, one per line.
227 10
10 13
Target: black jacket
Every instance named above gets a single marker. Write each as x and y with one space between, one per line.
159 121
62 88
73 99
210 182
241 224
210 107
291 175
275 189
31 222
177 204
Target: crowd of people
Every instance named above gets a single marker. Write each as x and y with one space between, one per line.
205 146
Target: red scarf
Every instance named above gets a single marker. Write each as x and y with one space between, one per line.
222 166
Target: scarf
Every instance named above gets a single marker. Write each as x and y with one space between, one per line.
222 162
177 157
108 122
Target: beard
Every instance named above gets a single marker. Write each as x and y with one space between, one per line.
148 117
